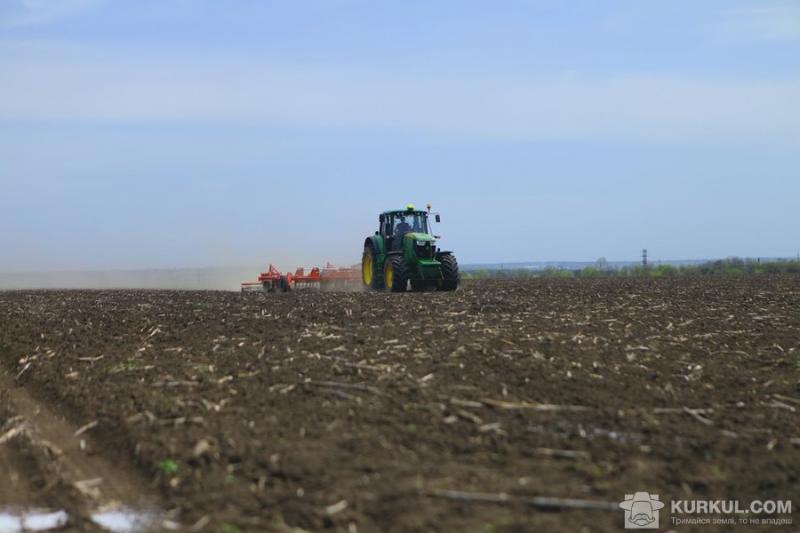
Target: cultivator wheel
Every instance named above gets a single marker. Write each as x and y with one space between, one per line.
395 274
450 275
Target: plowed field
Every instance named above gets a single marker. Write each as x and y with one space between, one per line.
377 412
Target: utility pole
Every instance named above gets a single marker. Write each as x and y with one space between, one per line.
644 258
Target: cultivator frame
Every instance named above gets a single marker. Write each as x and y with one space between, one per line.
330 277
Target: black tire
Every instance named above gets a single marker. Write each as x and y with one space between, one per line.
399 273
377 273
450 275
284 284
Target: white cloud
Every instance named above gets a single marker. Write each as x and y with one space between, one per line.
74 86
772 22
18 13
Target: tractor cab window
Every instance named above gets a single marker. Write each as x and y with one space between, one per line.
419 223
387 225
399 224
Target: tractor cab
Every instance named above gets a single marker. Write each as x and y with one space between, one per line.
394 225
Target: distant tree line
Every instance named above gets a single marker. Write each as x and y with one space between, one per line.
733 266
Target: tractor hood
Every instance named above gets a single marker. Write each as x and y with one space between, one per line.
422 237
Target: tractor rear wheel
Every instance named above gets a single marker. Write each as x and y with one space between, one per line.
450 275
370 274
395 274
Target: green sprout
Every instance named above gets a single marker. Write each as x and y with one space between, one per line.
168 466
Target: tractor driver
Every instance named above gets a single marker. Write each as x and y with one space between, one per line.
400 230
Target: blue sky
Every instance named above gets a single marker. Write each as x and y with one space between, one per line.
172 133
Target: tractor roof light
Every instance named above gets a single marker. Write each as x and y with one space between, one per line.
410 207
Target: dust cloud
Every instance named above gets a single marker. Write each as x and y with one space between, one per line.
215 278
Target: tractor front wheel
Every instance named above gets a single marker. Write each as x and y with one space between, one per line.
395 274
450 275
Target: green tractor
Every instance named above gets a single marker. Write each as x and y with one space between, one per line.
403 252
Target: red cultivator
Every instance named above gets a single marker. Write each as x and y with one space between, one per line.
329 278
270 281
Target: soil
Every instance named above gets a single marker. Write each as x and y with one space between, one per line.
394 412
